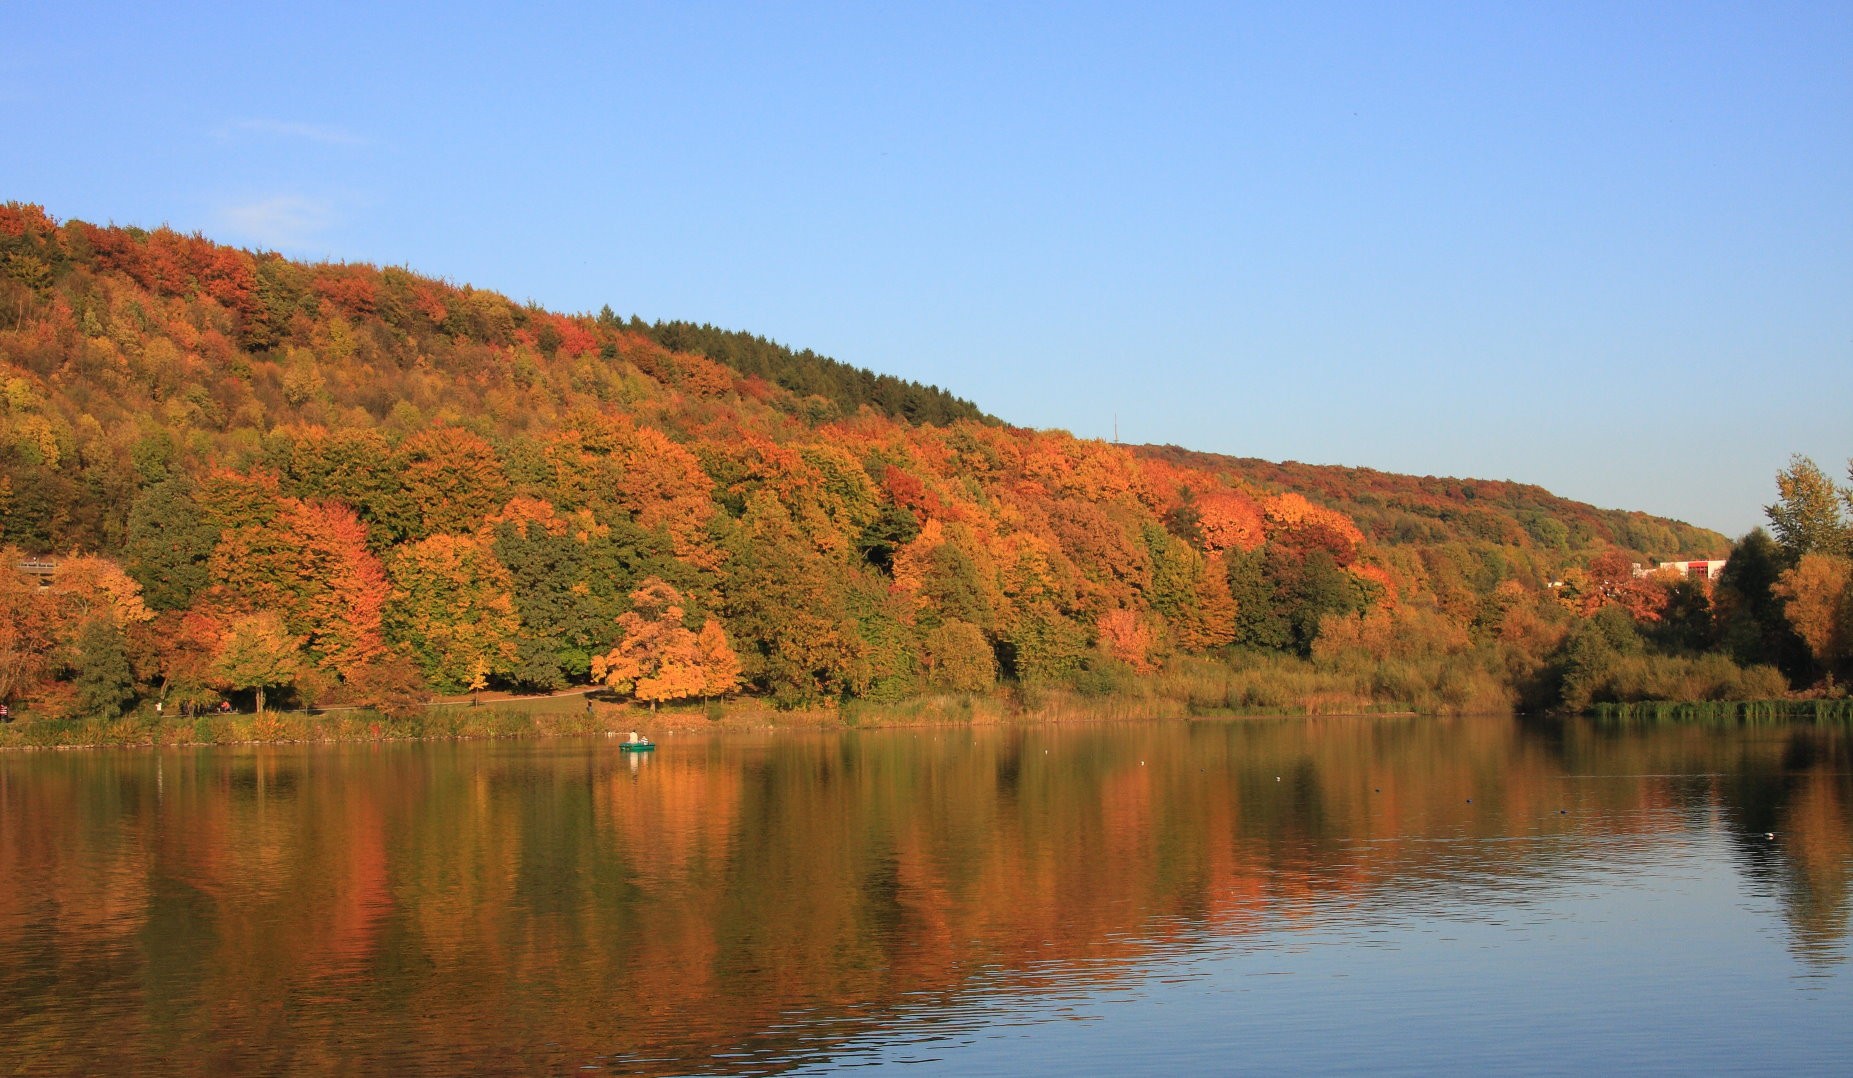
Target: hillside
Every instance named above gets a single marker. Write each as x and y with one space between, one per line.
1406 509
391 482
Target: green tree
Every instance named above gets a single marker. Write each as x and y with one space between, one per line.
1584 669
1043 646
786 608
1317 588
958 658
1260 616
887 653
893 528
1806 515
1687 623
169 544
954 588
570 583
1751 624
104 682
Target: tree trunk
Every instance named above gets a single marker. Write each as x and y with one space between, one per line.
260 699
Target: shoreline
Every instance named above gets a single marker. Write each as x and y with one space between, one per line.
559 715
518 717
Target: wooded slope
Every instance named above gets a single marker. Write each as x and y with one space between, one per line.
393 478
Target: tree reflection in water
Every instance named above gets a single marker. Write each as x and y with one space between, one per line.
743 903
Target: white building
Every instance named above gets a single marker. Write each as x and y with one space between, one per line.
1697 570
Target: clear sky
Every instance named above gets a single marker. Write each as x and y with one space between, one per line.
1607 248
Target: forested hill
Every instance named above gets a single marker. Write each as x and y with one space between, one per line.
808 374
1394 508
347 482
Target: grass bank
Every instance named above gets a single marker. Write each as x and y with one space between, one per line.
1261 685
1727 712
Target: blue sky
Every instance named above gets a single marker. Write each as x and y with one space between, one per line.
1606 248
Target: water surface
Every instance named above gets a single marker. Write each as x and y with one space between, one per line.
1376 895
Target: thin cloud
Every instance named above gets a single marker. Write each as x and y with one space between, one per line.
279 222
325 134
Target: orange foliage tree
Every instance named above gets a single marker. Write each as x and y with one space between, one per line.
310 563
658 658
1128 637
1817 596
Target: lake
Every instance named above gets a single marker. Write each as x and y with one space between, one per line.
1388 895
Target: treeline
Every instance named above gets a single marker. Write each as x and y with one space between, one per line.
1778 620
807 374
338 483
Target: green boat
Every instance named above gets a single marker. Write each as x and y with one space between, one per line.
637 744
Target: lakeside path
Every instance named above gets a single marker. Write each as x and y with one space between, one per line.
486 696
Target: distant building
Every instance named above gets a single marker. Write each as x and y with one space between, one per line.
1695 570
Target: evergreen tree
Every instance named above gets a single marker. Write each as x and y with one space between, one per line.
104 682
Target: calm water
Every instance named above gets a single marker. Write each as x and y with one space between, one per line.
1327 895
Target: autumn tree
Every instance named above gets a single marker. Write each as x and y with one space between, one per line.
27 639
787 607
311 564
1817 596
258 653
1806 514
658 658
958 658
391 685
451 608
184 646
1228 520
1128 637
451 481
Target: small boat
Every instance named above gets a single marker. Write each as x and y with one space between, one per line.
637 744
